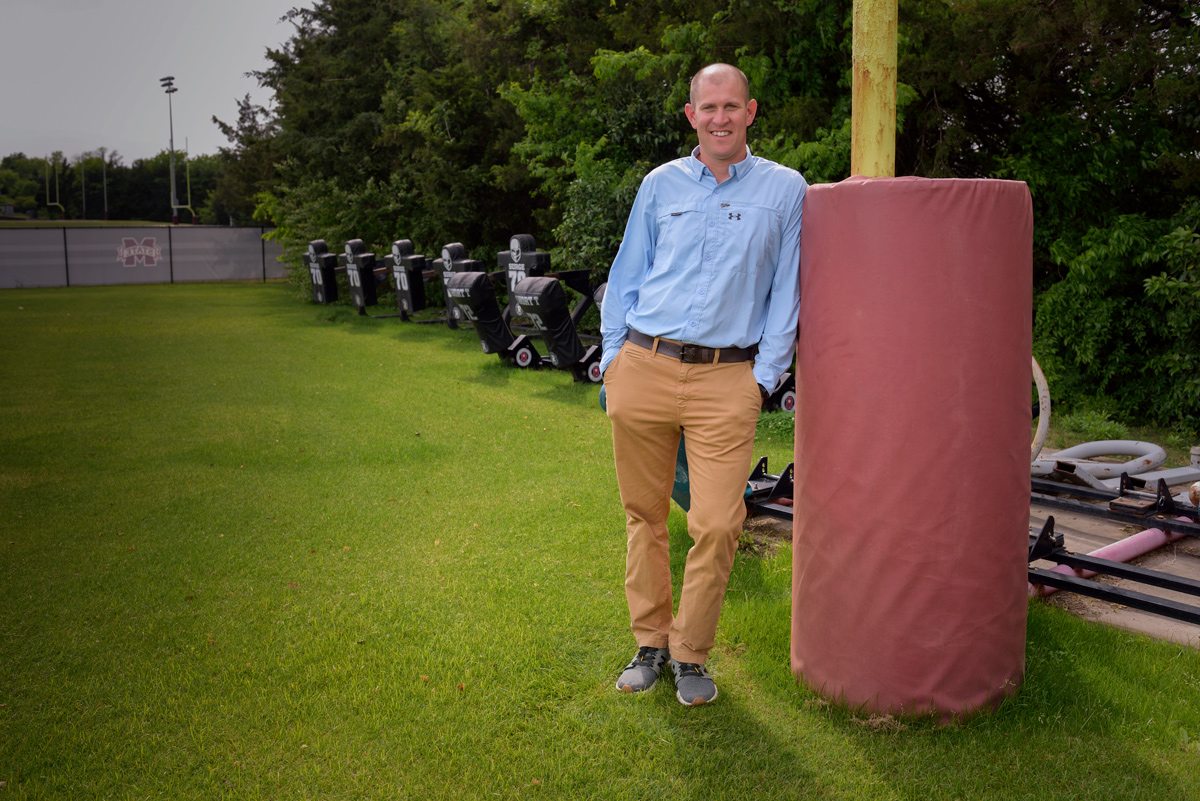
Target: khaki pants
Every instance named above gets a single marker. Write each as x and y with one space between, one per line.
651 398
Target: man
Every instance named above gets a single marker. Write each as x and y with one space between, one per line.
699 322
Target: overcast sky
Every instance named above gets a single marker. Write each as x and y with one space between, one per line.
79 75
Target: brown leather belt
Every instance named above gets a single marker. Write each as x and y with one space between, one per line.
691 354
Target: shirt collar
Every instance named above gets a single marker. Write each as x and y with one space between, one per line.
699 170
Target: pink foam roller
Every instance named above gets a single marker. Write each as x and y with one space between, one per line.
912 444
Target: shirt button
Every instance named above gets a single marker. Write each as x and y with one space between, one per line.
693 323
711 223
703 292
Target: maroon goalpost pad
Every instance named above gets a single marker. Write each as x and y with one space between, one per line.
912 442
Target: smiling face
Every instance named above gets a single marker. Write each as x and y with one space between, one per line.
721 111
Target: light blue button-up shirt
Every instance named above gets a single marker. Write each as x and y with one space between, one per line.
711 264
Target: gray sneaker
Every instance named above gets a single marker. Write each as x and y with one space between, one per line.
642 673
693 685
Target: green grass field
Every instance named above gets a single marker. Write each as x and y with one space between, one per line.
252 548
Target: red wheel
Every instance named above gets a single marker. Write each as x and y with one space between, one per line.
524 357
593 373
788 401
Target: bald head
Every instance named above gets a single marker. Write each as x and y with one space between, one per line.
719 73
720 111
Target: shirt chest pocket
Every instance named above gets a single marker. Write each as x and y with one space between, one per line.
750 236
679 236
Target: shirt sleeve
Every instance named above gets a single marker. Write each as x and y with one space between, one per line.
628 271
783 303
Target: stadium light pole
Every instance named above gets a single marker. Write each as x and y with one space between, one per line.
168 85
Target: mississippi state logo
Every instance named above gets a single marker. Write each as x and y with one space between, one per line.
131 253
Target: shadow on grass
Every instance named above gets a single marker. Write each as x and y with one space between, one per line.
1064 735
557 386
374 320
1070 732
570 392
725 751
494 371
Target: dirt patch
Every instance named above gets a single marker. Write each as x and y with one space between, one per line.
1187 549
1082 605
762 535
880 723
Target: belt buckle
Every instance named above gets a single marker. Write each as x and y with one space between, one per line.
691 354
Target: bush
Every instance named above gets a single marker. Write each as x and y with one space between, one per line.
1091 425
1123 325
321 209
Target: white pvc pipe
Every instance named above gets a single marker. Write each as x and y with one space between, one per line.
1039 438
1147 456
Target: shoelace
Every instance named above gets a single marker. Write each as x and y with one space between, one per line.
691 669
645 656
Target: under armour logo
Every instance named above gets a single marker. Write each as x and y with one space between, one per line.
733 216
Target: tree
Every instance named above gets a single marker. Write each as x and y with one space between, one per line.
19 181
468 120
1094 105
247 166
1122 329
328 81
591 136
